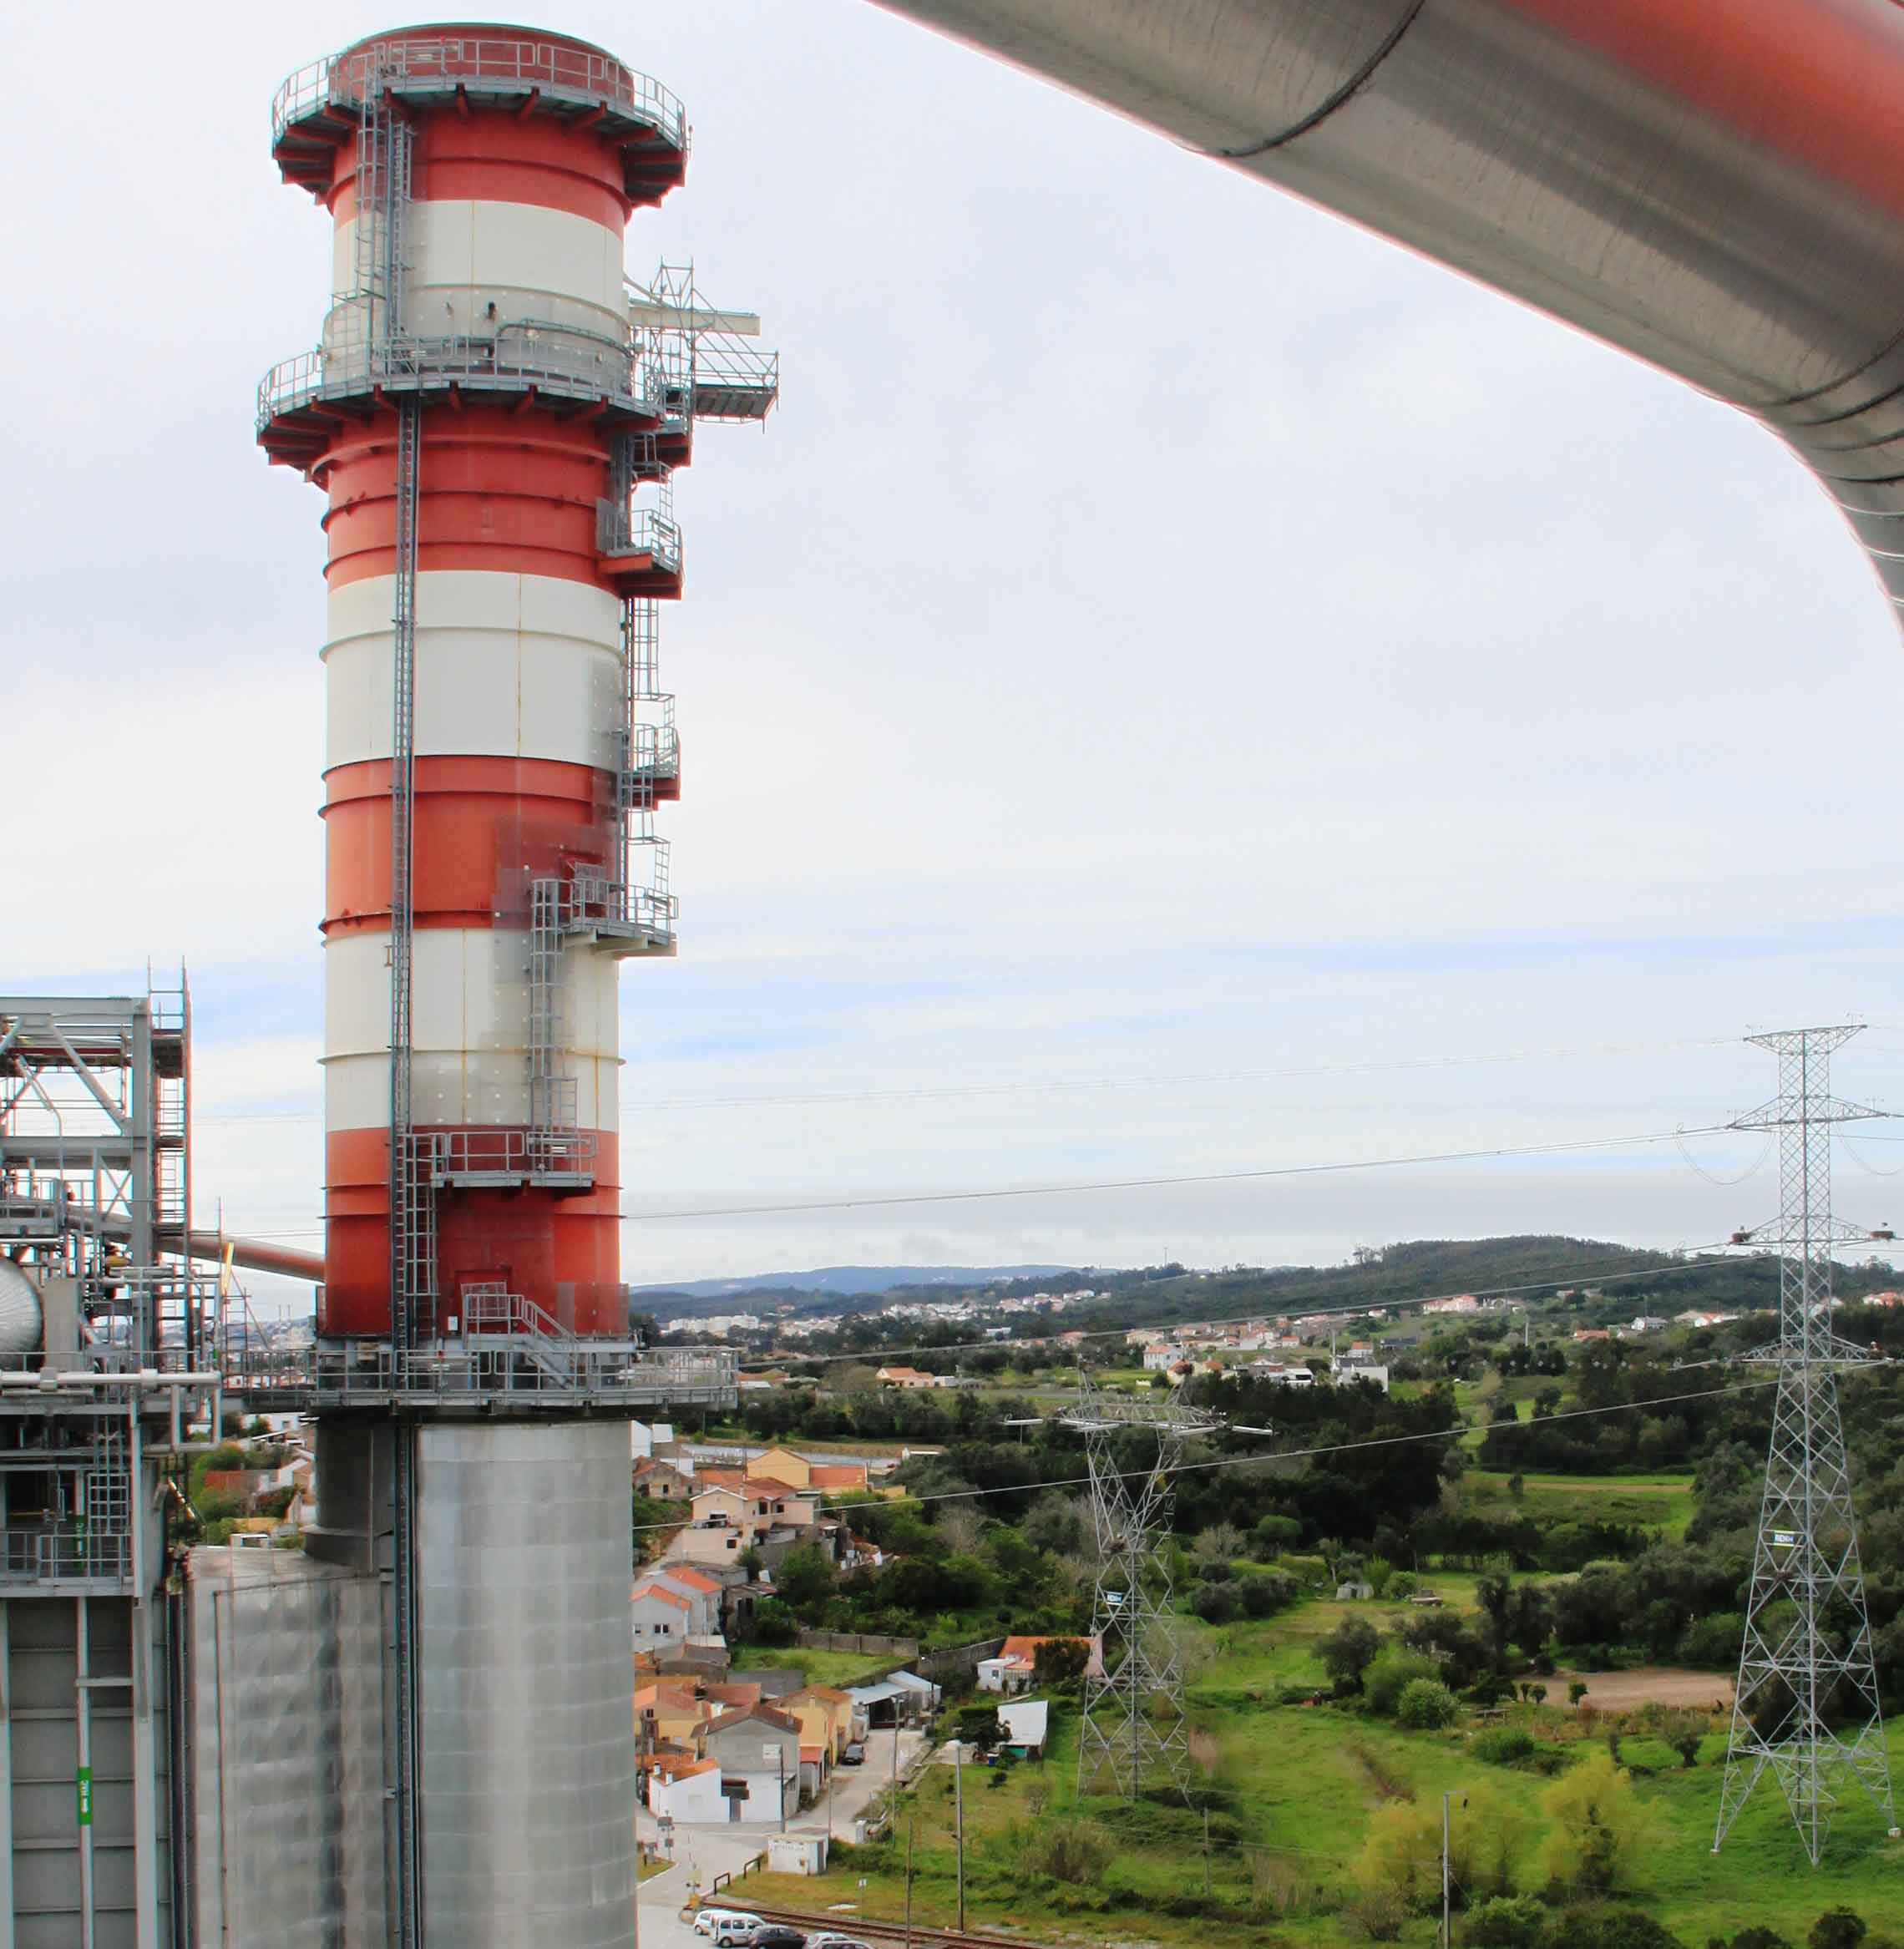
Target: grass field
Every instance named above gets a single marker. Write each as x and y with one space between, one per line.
1662 1502
822 1667
1300 1784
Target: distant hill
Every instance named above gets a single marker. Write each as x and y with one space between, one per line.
843 1281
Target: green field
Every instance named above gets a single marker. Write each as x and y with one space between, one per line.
822 1667
1662 1502
1297 1785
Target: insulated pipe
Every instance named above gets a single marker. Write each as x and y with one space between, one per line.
254 1255
1716 188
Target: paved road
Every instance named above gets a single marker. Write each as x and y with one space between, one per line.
702 1852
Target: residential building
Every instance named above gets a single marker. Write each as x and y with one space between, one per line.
1373 1372
907 1377
659 1613
687 1789
663 1481
1460 1303
1160 1357
758 1749
1010 1669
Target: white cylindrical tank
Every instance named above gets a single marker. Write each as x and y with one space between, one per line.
21 1324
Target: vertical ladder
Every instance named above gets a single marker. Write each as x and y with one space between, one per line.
413 1273
553 1134
383 196
108 1505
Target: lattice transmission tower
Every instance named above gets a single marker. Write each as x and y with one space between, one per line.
1807 1705
1133 1734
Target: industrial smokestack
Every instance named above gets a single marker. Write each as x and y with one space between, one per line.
494 419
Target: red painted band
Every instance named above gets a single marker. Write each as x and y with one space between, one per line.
562 1252
483 829
492 158
511 493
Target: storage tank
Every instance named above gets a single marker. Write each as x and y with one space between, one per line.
21 1324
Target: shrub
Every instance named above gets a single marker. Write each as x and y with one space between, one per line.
1756 1937
1426 1706
1266 1592
1508 1921
1376 1914
1609 1928
1273 1534
1597 1825
1217 1603
1393 1668
1216 1570
1714 1643
1068 1851
1838 1928
1504 1746
1348 1651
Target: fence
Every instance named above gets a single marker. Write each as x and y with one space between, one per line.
959 1659
868 1643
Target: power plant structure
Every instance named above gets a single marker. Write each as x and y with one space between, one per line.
108 1369
495 419
420 1728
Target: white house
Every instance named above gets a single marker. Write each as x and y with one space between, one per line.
658 1614
758 1750
687 1790
1347 1372
1159 1359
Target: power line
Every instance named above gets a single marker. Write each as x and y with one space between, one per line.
1253 1175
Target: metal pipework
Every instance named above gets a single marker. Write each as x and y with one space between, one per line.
1717 190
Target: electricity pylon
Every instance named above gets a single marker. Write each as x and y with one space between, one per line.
1807 1706
1133 1734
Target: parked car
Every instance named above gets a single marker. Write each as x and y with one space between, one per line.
836 1942
738 1931
775 1936
709 1922
854 1755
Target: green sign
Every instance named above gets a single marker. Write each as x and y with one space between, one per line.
84 1780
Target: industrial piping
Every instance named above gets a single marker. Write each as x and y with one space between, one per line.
1716 188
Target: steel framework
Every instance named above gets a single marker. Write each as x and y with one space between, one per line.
1133 1734
1807 1706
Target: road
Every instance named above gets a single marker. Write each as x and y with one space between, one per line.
702 1852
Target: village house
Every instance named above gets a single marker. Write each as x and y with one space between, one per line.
661 1481
1460 1303
1010 1669
907 1378
758 1749
1160 1357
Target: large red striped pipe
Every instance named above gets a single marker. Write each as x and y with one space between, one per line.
1715 188
529 153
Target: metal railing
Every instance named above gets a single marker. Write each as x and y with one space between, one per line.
559 360
452 1155
621 530
65 1555
523 1370
478 64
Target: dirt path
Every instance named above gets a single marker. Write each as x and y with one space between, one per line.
1622 1690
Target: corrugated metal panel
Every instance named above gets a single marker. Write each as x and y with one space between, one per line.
528 1688
287 1751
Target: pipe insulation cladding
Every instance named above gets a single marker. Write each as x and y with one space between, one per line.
1716 188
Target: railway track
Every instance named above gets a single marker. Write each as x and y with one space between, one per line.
880 1933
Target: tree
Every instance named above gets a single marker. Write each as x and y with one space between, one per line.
978 1725
1058 1662
1426 1705
1495 1596
1392 1670
805 1579
1576 1690
1597 1825
1347 1651
1837 1928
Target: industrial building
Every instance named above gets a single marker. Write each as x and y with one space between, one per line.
421 1726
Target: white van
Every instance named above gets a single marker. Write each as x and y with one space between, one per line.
726 1927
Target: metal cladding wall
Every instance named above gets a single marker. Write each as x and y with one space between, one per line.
287 1751
528 1689
1717 189
525 161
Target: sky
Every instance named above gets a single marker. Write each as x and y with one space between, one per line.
1165 634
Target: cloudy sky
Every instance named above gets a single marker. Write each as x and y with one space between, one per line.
1181 686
